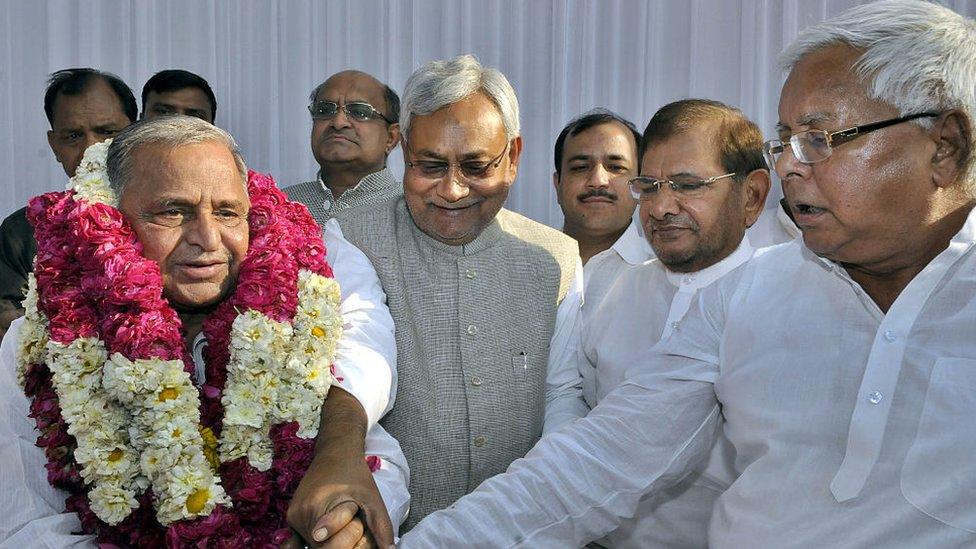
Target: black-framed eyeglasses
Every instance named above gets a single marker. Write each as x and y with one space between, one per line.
644 188
357 110
471 170
814 146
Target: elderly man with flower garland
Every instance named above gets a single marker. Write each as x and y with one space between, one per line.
176 352
841 367
484 300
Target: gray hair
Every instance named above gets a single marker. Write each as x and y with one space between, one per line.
173 131
438 84
918 56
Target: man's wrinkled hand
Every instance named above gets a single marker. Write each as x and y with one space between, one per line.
337 505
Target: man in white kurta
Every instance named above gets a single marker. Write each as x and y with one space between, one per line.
841 368
649 300
32 511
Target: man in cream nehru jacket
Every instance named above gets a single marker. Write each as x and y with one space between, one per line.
484 300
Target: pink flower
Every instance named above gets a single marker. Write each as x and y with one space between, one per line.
93 281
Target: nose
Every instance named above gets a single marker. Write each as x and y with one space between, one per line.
788 166
90 139
203 232
599 177
664 202
451 188
341 119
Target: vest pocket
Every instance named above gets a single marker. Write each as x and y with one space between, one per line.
939 473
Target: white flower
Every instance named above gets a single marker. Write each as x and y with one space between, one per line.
112 502
91 180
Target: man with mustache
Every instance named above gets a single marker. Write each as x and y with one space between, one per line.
485 301
590 155
354 128
83 106
841 367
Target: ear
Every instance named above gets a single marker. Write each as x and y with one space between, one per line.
952 135
514 154
392 137
753 191
555 180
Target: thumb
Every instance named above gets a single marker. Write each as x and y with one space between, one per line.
333 521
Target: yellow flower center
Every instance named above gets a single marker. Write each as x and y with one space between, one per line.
115 455
318 332
210 447
197 500
168 393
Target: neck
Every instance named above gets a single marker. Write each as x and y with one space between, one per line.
192 325
884 283
592 244
340 179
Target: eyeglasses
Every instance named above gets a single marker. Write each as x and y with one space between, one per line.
357 110
645 188
471 170
814 146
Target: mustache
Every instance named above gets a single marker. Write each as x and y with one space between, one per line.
674 221
599 191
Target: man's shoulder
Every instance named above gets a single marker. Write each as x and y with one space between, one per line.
365 215
536 234
299 191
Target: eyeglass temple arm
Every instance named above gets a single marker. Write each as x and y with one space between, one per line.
850 133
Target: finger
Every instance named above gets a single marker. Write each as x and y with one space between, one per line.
348 537
379 526
334 521
366 542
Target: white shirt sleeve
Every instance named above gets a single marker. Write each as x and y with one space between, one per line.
564 384
393 477
366 353
31 510
578 483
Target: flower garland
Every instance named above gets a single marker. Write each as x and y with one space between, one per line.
148 458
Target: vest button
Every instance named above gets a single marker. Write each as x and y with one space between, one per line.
472 329
479 441
326 203
469 273
476 381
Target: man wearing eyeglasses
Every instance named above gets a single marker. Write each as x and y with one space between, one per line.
841 367
354 128
703 182
484 300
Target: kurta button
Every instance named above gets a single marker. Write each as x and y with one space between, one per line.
476 381
875 397
472 329
890 336
469 273
479 441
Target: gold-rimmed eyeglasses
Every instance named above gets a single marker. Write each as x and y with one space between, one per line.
471 170
644 188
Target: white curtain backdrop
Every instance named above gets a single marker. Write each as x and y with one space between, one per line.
263 57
